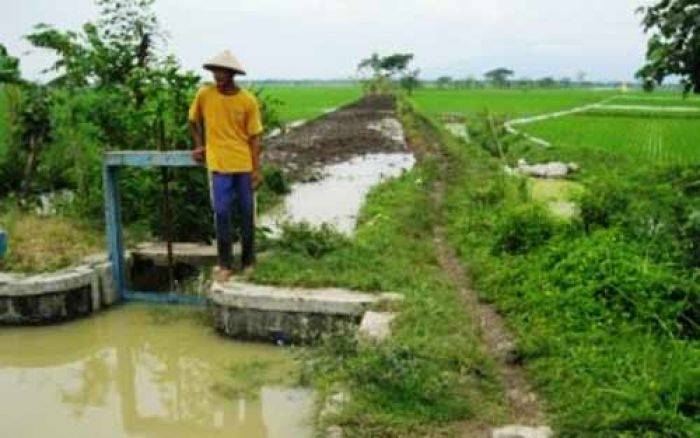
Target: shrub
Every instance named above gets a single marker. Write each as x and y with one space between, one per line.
275 180
522 229
605 199
308 240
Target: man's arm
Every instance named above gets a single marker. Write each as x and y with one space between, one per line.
255 150
196 133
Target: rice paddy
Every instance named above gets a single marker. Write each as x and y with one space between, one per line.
511 102
306 102
662 126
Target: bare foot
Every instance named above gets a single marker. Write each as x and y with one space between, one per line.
222 275
248 271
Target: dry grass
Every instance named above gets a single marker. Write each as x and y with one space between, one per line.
40 244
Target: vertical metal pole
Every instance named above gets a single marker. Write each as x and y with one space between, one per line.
168 226
167 212
113 227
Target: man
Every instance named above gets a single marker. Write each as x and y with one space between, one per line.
232 127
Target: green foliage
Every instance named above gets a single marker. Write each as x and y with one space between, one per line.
9 67
309 241
606 199
608 306
499 76
432 373
275 180
491 133
383 69
674 46
523 229
269 108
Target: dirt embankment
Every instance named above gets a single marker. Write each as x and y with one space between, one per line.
368 125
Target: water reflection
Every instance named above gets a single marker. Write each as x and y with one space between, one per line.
120 374
336 198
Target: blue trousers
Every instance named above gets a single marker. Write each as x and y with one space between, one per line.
229 191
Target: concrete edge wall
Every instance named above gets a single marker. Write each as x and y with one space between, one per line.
57 296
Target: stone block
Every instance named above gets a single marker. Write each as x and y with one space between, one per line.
282 299
519 431
376 326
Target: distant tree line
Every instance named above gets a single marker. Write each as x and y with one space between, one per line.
503 78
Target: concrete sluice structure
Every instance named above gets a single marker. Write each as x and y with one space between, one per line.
57 296
290 315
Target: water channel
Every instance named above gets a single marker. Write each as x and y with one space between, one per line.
139 370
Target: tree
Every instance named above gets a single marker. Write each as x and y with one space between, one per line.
409 81
674 45
9 67
499 76
106 52
385 69
443 81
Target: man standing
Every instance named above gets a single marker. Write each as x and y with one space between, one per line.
226 127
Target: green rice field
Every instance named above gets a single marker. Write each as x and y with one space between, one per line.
661 137
661 126
511 102
306 102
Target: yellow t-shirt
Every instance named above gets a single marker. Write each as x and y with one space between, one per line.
229 122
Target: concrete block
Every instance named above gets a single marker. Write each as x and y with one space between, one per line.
519 431
282 299
376 326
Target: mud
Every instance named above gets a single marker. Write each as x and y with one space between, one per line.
335 137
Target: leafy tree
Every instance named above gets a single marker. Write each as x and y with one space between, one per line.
499 76
546 82
409 81
385 69
443 81
30 129
9 67
106 52
674 46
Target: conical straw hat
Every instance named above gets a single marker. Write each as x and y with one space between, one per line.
225 59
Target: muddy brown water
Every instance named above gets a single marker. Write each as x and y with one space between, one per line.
137 371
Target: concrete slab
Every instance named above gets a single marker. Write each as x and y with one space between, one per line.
519 431
331 301
190 253
376 326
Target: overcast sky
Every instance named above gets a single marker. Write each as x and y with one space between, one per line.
326 38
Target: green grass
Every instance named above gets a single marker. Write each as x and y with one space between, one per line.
42 244
432 373
595 307
305 102
657 99
512 102
664 138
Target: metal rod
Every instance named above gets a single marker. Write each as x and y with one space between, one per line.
167 211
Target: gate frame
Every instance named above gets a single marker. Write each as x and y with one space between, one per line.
113 161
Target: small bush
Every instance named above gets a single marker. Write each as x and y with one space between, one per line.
308 240
604 200
275 180
522 229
